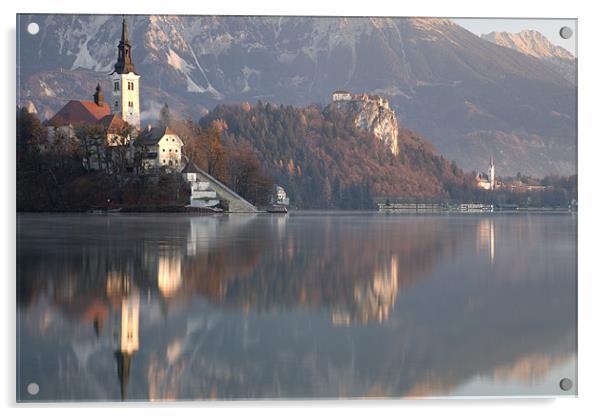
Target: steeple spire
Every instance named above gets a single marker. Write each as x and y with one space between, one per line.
99 97
124 32
124 63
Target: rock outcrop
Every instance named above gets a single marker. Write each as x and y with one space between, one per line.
373 114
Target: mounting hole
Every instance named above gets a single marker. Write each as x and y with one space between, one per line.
33 28
33 388
566 384
566 32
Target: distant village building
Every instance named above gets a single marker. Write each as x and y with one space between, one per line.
487 180
159 147
279 197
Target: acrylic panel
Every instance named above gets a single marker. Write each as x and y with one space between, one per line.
281 207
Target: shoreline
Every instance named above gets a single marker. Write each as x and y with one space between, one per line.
201 211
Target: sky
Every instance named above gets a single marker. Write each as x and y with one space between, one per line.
550 28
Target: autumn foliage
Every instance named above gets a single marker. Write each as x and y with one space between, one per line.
323 161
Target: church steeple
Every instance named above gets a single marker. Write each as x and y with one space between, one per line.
125 91
99 96
491 173
124 63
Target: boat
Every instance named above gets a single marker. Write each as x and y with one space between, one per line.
277 209
104 210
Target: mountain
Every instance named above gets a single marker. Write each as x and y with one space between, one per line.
533 43
473 99
529 42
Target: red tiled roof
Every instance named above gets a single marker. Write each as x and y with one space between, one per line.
112 123
80 112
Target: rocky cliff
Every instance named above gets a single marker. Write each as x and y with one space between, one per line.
373 114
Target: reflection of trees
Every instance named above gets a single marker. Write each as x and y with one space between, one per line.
351 271
438 335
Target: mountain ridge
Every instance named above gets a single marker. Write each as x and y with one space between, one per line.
427 68
533 43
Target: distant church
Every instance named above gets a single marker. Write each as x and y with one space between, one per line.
487 180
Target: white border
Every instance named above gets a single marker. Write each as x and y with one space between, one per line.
590 125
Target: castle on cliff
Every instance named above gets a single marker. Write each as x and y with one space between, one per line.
370 113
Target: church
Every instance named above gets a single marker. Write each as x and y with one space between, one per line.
487 180
119 117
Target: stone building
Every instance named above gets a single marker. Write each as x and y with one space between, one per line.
159 147
340 95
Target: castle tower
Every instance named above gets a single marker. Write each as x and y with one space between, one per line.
125 83
491 173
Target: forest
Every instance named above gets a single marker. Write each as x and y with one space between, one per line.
316 153
324 162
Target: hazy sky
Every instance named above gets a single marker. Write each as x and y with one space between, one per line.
550 28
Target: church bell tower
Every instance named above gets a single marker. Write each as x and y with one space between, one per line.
491 173
125 89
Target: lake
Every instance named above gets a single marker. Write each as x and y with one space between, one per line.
307 305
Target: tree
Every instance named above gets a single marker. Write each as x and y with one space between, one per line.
247 178
118 150
93 143
32 137
165 116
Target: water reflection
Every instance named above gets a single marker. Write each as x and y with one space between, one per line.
486 238
291 306
126 337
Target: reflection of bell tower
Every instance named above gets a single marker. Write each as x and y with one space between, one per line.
486 238
126 338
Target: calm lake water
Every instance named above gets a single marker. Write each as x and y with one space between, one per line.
309 305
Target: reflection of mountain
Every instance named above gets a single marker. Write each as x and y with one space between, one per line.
245 308
351 273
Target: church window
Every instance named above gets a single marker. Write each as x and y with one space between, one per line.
116 86
116 104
